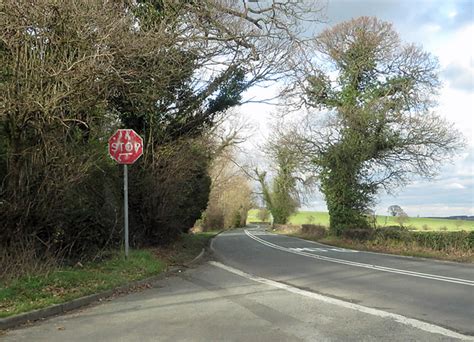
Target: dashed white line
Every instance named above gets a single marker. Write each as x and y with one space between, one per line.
319 249
362 265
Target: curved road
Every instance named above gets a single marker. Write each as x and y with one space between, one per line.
263 287
437 292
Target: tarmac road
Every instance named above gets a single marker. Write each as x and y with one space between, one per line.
266 287
433 291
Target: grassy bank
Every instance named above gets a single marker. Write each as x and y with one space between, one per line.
414 223
453 246
67 283
401 248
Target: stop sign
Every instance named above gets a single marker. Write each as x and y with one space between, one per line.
125 146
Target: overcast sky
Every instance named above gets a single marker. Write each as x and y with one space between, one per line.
446 29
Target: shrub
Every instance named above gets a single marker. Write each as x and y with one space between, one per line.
439 241
263 215
392 232
358 234
170 192
287 228
314 230
402 218
237 223
470 239
443 240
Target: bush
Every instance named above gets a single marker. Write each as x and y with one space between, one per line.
440 241
314 230
358 234
392 233
65 209
237 220
470 239
263 215
287 228
444 240
168 194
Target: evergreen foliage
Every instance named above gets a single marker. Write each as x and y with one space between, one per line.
378 131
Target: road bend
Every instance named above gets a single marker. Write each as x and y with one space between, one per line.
438 292
258 286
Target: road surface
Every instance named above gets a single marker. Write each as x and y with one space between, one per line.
266 287
433 291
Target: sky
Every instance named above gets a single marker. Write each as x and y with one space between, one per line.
446 29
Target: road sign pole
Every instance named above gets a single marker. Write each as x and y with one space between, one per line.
125 206
125 147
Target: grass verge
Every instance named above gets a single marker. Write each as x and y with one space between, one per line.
64 284
397 248
384 246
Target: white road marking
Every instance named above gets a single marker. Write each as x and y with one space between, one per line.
343 250
305 249
358 264
318 249
262 233
431 328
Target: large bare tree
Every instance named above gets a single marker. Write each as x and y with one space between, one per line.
73 71
370 124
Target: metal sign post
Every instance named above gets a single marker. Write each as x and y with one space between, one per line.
125 206
125 147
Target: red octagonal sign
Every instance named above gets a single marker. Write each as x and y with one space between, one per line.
125 146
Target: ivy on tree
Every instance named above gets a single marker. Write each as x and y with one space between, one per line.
374 129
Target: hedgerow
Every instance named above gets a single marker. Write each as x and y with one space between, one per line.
439 241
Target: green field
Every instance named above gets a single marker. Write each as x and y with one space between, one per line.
417 223
252 216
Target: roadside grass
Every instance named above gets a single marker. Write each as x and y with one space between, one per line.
423 226
185 249
383 246
64 284
400 248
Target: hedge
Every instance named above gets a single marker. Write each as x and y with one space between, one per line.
314 230
460 240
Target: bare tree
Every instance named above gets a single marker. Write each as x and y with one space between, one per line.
374 129
402 218
73 71
283 195
263 214
395 210
230 198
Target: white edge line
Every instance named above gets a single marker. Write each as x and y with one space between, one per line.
362 265
431 328
357 264
444 262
